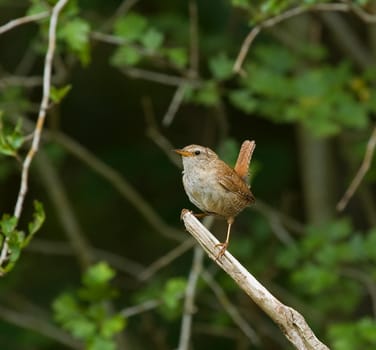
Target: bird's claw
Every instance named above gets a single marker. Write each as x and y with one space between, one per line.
222 250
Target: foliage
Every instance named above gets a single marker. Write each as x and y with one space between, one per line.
84 313
17 240
110 61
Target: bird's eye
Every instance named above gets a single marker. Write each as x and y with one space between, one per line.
197 152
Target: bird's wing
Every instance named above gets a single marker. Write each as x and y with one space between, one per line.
233 183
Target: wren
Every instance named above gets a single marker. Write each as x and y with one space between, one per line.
214 187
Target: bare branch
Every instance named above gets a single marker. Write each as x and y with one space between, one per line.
160 78
270 22
121 185
190 293
64 211
118 262
291 322
365 16
28 82
175 104
192 73
38 325
166 259
41 118
366 163
231 310
152 130
23 20
367 281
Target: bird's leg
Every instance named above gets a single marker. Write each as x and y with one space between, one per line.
224 245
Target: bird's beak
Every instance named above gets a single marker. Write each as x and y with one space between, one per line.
183 153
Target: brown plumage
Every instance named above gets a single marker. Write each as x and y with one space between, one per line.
213 186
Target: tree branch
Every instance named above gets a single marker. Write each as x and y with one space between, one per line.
270 22
292 323
23 20
190 293
40 121
361 172
38 325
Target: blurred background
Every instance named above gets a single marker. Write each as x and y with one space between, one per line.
132 80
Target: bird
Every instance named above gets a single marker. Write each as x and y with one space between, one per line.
214 187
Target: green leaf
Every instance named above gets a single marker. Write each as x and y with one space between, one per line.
65 307
57 94
8 224
207 95
243 100
36 7
10 141
314 279
177 56
39 217
152 39
173 291
112 326
241 3
221 67
81 327
76 34
99 343
15 242
125 56
131 27
99 274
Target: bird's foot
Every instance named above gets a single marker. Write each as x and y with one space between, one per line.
222 251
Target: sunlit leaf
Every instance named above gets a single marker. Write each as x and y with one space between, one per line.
8 224
130 27
152 39
126 56
57 94
221 67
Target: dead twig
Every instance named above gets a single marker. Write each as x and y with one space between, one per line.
366 163
270 22
23 20
231 310
40 121
190 293
290 321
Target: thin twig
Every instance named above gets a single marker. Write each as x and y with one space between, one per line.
290 321
175 104
140 308
364 278
270 22
366 163
118 262
41 118
64 211
231 310
108 38
166 259
190 293
365 16
38 325
160 78
23 20
192 73
153 131
28 82
120 183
